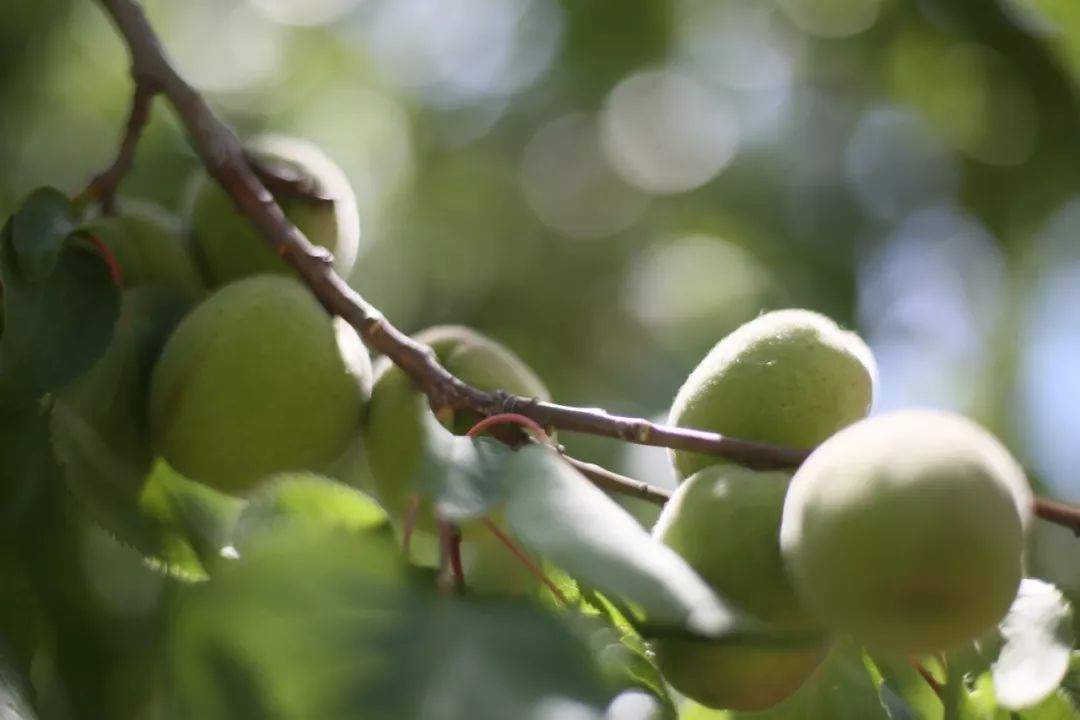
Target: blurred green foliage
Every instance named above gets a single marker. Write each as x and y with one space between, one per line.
608 189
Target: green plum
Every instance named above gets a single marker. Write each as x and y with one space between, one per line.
393 439
907 530
736 676
790 377
145 243
258 379
394 426
312 191
725 522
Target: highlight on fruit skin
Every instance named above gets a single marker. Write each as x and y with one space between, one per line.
310 188
257 379
725 522
789 377
907 530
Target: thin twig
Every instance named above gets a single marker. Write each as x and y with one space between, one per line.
614 482
105 184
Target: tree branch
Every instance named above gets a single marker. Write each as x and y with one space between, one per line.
104 185
614 482
1059 513
224 158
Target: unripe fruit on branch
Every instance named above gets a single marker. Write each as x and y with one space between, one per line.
907 530
258 379
310 188
145 244
736 676
394 440
393 430
725 521
789 377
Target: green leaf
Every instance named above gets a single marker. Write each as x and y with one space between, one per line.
557 513
624 656
39 228
464 475
27 462
179 525
904 692
187 516
55 326
309 624
307 499
1038 643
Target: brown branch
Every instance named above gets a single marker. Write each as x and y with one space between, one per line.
223 157
105 184
1059 513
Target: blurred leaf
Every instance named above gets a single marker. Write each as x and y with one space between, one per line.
112 395
187 514
1038 642
623 653
39 228
14 694
306 499
26 459
465 475
904 692
178 524
55 325
557 513
321 625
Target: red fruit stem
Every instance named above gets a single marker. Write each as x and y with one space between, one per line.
525 560
110 260
515 418
928 676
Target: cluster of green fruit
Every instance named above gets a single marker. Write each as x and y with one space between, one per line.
904 530
254 379
248 375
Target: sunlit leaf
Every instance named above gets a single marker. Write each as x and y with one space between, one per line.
464 475
1038 642
557 513
307 499
14 692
